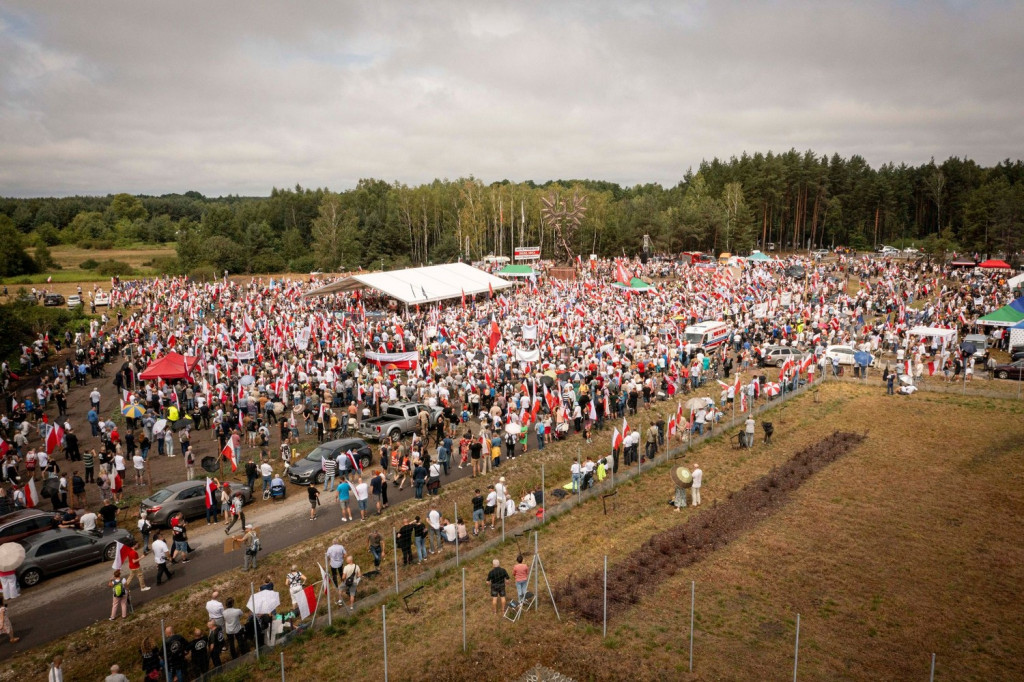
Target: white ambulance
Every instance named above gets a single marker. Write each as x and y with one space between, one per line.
707 335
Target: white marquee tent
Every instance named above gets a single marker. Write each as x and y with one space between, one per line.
421 285
947 337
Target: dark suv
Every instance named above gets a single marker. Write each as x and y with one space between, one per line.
777 355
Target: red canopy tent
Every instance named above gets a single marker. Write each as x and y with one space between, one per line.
995 264
171 366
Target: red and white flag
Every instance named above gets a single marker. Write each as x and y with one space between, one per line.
31 496
121 553
616 439
306 601
54 437
209 492
228 453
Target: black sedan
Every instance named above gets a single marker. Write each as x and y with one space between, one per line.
53 300
56 551
1013 370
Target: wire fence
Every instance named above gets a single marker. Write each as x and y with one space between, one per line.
526 523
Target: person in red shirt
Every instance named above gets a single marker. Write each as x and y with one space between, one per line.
134 569
521 574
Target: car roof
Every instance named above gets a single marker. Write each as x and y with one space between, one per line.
23 514
344 442
181 485
53 534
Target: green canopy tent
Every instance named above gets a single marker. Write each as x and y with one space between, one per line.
1007 316
757 255
516 271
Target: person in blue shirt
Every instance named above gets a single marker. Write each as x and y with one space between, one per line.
344 492
94 421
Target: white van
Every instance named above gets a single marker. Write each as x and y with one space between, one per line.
707 335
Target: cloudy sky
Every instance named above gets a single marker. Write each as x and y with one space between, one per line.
239 97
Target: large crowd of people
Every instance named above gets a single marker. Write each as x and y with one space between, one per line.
546 360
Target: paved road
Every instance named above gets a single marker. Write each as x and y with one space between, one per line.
34 612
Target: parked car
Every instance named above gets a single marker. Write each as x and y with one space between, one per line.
309 469
777 355
770 246
796 271
101 299
1011 370
910 251
980 342
844 355
888 250
51 300
56 551
18 525
74 301
188 497
397 420
820 253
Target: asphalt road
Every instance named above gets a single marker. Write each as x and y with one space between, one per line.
34 612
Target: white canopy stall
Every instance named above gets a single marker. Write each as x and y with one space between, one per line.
947 337
421 285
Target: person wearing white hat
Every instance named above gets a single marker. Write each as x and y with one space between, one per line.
501 494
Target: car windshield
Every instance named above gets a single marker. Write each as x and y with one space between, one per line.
695 338
160 495
318 454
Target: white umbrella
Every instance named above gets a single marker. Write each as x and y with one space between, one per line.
159 425
12 554
696 403
512 428
263 601
906 379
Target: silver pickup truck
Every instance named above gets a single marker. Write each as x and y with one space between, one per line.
397 420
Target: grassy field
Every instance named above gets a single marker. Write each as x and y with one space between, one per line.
70 259
906 546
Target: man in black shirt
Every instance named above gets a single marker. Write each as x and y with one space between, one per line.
108 512
216 642
478 512
496 578
197 648
405 541
177 647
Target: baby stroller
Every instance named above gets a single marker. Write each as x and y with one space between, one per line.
515 607
769 429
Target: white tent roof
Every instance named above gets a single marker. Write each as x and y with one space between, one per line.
940 332
1014 281
421 285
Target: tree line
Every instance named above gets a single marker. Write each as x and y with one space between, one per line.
793 200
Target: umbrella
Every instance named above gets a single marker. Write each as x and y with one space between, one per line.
184 423
247 380
548 379
696 403
133 411
862 358
209 464
906 380
159 425
11 556
263 601
50 489
968 348
772 389
512 428
681 476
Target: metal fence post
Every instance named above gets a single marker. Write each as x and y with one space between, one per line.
384 625
394 539
693 589
282 666
604 630
163 638
931 678
796 648
463 610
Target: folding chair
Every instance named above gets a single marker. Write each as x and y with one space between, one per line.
515 607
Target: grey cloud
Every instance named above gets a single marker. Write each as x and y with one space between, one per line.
238 97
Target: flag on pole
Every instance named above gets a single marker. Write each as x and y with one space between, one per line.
121 553
54 436
616 439
31 496
306 601
209 492
229 454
